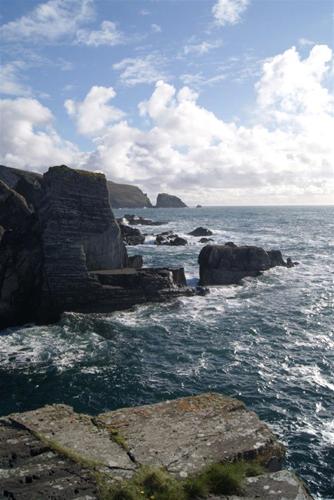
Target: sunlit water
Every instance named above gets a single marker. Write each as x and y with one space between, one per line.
269 342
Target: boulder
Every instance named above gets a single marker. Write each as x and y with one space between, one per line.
228 264
131 235
169 238
165 200
201 231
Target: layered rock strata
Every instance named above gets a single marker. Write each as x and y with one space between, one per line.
50 250
228 264
182 436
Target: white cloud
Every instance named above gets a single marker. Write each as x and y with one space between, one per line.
49 21
191 151
10 80
108 34
156 28
229 11
305 42
94 113
201 48
27 138
137 70
285 156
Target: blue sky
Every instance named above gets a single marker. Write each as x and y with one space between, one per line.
243 94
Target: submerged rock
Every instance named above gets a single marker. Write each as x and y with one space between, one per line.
228 264
201 231
165 200
205 240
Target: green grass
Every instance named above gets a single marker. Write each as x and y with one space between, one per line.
157 484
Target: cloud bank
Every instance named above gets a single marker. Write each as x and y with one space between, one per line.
286 153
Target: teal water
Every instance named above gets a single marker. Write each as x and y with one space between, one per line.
269 342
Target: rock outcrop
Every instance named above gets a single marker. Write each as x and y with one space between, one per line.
170 239
54 452
165 200
127 196
201 231
131 235
51 252
138 220
228 264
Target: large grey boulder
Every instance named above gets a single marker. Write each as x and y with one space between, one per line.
228 264
165 200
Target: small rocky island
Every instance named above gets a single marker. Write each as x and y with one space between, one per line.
207 446
165 200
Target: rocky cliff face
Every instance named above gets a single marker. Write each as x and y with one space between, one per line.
53 249
165 200
127 196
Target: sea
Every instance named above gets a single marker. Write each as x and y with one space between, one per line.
268 342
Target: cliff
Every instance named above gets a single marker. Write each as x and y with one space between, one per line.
29 185
165 200
207 446
63 251
127 196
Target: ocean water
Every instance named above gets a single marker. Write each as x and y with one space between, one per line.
268 342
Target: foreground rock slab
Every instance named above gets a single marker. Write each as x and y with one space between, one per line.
186 434
54 452
281 485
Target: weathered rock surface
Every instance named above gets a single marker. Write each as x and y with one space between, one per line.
281 485
201 231
29 469
136 261
127 196
228 264
45 453
20 259
169 238
165 200
50 250
28 184
131 235
186 434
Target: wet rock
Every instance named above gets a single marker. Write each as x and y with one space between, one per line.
201 231
165 200
205 240
199 206
135 220
131 235
169 238
228 264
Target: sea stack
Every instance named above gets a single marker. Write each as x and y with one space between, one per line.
165 200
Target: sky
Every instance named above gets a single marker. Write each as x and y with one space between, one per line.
222 102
